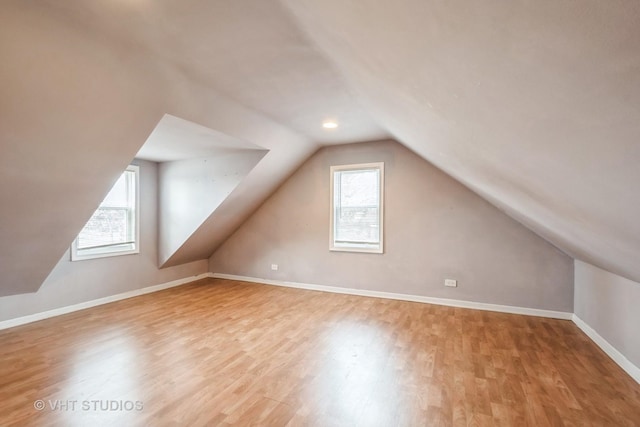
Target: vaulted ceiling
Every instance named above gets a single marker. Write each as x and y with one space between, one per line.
533 105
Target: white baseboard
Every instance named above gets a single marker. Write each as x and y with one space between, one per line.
611 351
100 301
405 297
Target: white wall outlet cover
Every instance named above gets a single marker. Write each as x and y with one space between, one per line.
274 267
451 283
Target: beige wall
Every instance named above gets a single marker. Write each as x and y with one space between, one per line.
435 228
75 282
609 305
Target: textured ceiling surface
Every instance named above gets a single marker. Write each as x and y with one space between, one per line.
533 105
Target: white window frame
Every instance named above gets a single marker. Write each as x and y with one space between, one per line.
333 245
118 249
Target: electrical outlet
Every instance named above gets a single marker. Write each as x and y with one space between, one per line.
274 267
451 283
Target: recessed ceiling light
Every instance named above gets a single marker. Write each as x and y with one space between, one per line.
329 124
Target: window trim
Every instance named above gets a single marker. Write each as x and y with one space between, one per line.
355 167
113 250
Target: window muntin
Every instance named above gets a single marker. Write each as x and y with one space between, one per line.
113 229
357 208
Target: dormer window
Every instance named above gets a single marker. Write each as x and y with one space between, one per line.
113 229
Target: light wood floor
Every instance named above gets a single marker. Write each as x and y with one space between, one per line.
220 352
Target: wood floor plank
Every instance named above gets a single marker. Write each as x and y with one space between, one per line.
221 352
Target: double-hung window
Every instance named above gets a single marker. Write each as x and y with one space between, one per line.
114 227
357 193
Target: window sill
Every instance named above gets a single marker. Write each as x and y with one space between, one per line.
85 255
356 249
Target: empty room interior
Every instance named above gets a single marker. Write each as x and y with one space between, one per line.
319 213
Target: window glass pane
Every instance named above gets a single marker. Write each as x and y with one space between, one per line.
356 215
111 223
107 226
111 230
117 197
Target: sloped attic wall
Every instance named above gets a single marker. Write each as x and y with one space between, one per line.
67 131
72 282
533 105
75 109
435 228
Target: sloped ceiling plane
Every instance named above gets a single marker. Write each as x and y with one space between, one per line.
532 105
